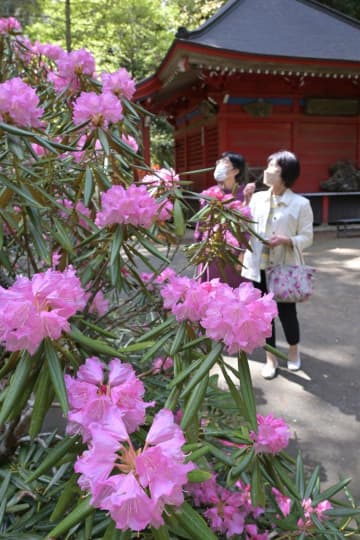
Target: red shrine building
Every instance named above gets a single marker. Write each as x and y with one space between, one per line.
260 76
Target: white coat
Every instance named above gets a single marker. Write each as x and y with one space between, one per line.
292 218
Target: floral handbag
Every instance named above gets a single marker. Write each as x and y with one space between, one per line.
291 283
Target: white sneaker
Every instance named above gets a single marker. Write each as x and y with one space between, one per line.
269 371
294 365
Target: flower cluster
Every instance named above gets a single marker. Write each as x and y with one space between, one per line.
229 512
272 435
19 104
9 25
240 317
119 83
81 210
99 109
132 484
166 178
130 141
31 310
70 67
309 509
133 206
95 393
162 364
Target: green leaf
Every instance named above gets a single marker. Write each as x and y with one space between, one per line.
247 390
235 393
179 221
312 482
116 243
56 375
103 141
243 463
151 248
17 386
194 403
156 330
55 455
197 475
300 475
185 372
162 533
331 491
205 367
193 523
23 193
89 186
44 394
76 516
62 237
179 338
70 490
157 346
257 487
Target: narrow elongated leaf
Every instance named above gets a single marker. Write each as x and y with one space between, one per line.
178 340
194 403
82 510
17 385
55 455
156 330
103 141
243 463
257 487
194 524
70 490
185 372
116 243
247 390
162 533
179 220
44 394
62 237
331 491
205 367
89 186
300 475
56 375
312 482
151 248
198 475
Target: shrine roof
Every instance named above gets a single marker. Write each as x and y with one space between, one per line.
291 28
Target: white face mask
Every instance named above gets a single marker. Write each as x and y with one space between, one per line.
270 178
221 172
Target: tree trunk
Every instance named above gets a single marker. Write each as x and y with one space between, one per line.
68 25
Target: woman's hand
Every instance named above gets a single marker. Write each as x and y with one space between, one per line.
278 240
248 192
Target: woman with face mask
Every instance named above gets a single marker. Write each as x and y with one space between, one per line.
229 176
285 221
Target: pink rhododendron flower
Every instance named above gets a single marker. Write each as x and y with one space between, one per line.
283 502
130 141
252 533
309 509
31 310
135 485
133 206
165 210
9 25
240 317
162 364
119 83
19 104
165 275
227 510
166 178
91 399
70 67
100 304
272 436
50 50
100 109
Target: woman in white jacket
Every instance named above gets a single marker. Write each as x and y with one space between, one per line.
284 220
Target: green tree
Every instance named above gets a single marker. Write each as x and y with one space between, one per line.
348 7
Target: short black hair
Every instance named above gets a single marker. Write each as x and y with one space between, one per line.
289 165
238 162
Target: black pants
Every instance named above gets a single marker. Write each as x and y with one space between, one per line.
287 316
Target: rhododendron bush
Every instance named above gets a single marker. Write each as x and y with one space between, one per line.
96 321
